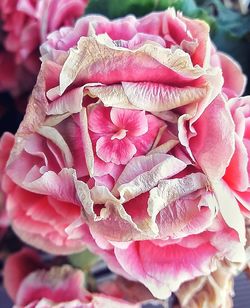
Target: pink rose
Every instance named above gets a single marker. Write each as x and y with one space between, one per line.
129 122
30 285
26 24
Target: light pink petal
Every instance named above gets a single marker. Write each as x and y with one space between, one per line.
26 7
244 200
71 128
69 102
191 214
169 191
240 110
200 32
26 165
105 208
100 246
119 29
228 245
157 97
145 142
115 151
229 208
60 186
167 266
174 28
101 167
105 180
213 146
144 172
161 64
234 79
67 37
151 23
142 38
135 122
41 221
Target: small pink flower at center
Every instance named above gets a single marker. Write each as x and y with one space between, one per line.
117 131
119 135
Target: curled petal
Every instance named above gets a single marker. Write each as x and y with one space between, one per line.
144 172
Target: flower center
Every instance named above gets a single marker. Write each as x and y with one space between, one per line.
120 134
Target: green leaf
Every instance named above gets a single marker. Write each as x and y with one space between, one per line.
83 260
116 8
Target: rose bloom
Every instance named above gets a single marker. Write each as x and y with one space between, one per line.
130 124
30 285
26 24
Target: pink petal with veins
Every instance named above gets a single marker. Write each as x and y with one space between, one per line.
115 151
135 122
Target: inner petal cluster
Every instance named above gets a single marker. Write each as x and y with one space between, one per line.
117 132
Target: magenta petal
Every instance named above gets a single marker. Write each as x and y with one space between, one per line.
115 151
135 122
99 120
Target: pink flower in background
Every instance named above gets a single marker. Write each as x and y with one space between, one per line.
31 285
26 24
14 78
125 146
5 146
4 221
